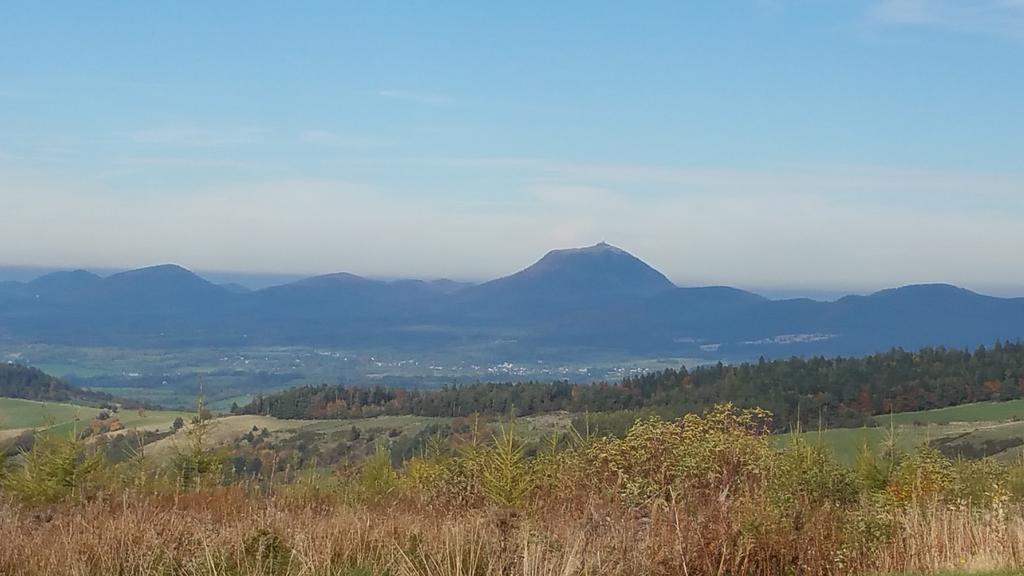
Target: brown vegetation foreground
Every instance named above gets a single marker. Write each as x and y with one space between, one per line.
701 496
227 532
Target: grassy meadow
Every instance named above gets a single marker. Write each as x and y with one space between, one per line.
990 429
975 412
18 415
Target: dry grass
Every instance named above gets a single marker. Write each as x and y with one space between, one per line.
231 531
222 431
214 534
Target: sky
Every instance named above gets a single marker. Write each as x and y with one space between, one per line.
825 145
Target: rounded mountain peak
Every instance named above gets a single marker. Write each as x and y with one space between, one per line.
601 269
159 270
160 277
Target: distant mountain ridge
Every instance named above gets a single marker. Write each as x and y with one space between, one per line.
594 300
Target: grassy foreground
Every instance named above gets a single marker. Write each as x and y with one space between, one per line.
229 532
701 495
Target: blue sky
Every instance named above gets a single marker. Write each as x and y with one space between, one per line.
818 144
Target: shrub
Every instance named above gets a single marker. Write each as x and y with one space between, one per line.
376 478
805 474
980 483
714 453
924 476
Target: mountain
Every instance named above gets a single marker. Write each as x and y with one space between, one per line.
162 289
55 287
565 281
58 282
597 300
919 314
596 272
165 304
345 293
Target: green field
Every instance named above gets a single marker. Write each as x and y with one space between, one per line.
19 414
977 412
846 443
16 413
993 428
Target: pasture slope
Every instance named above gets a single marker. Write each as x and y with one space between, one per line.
993 429
226 430
18 415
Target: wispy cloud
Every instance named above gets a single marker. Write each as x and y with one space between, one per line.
815 227
416 97
184 162
338 140
905 11
189 136
1001 17
15 94
838 182
153 85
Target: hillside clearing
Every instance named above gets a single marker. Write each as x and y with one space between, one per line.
974 412
18 415
971 430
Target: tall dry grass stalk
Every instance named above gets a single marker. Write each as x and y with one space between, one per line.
955 538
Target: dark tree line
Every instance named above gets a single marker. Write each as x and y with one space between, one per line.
833 391
17 381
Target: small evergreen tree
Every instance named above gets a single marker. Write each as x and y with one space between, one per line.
197 464
54 468
506 475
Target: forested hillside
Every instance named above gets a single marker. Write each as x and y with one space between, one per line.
834 391
17 381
